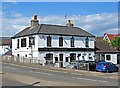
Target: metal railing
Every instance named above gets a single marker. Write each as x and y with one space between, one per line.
47 63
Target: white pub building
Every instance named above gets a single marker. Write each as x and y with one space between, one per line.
53 42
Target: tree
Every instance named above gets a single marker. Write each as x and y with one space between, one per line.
116 43
106 41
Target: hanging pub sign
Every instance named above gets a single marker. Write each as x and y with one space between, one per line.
31 41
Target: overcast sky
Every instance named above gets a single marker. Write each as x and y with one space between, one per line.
94 17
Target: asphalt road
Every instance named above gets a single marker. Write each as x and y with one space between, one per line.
8 82
78 79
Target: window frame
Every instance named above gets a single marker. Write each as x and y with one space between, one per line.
61 41
30 44
108 58
49 39
18 43
24 44
86 42
72 42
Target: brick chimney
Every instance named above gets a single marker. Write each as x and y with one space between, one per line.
69 23
34 21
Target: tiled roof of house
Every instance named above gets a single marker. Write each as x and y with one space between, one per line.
101 47
5 41
53 29
112 36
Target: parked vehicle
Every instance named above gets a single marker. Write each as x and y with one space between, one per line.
106 67
92 65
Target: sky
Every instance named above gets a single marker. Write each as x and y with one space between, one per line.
95 17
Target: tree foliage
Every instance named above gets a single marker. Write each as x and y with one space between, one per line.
116 43
106 41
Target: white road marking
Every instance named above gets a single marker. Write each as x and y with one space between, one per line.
44 73
9 67
90 79
21 66
41 72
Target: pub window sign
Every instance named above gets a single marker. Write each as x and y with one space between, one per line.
31 41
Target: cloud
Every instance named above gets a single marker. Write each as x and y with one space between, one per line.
96 24
8 0
12 25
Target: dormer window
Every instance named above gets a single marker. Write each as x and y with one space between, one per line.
87 42
60 41
72 42
48 41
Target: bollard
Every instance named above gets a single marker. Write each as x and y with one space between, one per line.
88 67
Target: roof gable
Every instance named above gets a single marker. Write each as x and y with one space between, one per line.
111 36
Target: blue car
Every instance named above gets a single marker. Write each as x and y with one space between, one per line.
106 67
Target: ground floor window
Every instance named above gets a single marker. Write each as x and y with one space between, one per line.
72 57
108 57
49 58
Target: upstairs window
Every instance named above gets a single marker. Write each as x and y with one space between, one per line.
18 43
87 42
72 42
48 41
31 41
60 41
23 42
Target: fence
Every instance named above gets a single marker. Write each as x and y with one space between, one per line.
48 63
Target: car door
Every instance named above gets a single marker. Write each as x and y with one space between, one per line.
114 67
111 67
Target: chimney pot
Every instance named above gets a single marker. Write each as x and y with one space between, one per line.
69 23
34 21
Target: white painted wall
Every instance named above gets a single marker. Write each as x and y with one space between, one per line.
113 58
41 42
23 51
79 41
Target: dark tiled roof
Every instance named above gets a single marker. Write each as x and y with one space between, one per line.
53 29
5 41
101 47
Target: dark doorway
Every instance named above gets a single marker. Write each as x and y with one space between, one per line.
61 60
